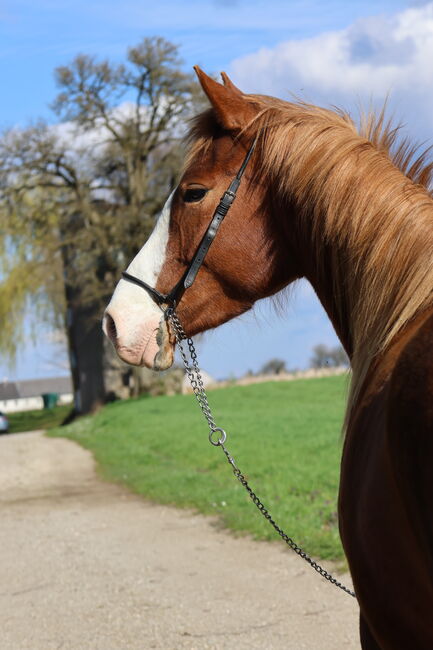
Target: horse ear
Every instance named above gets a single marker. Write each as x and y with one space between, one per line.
232 109
228 83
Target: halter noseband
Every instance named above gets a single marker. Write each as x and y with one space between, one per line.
172 298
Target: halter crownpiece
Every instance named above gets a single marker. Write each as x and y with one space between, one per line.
172 298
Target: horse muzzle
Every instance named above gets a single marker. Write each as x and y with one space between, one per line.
150 343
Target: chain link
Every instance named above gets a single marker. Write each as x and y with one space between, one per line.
194 375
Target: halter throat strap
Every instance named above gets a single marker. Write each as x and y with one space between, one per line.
172 298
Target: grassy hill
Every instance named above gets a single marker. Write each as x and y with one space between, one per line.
285 437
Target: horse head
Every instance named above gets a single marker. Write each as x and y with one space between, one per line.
247 260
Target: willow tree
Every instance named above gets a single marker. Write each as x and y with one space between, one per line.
79 198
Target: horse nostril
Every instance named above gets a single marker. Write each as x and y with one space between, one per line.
109 327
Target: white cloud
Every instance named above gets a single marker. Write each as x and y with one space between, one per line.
369 60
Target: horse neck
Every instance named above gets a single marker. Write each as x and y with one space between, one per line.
365 232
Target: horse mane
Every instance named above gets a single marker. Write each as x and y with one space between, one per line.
367 193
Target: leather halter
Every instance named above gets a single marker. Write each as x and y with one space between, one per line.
172 298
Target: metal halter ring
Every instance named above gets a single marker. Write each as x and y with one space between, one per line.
221 440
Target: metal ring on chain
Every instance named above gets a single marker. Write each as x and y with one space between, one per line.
221 440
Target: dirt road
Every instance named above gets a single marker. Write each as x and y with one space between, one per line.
86 565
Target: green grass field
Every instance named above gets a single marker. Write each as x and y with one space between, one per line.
38 419
284 436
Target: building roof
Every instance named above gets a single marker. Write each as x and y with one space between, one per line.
8 390
35 387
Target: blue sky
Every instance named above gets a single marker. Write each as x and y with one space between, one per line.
327 51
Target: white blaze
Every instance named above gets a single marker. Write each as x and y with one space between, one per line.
134 312
148 262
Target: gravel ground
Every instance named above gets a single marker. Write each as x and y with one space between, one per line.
86 565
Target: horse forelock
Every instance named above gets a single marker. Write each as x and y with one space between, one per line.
364 190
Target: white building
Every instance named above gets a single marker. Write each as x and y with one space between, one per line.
27 395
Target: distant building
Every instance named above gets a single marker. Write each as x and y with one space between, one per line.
27 395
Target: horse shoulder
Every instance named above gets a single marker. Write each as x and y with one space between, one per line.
410 431
386 494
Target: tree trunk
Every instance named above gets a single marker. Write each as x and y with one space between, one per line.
86 351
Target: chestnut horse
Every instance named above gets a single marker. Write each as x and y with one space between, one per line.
325 201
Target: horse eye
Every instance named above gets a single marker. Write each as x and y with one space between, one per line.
194 194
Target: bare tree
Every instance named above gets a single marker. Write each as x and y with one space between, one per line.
273 367
328 357
78 199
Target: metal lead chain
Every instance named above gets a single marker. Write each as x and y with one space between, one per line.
217 437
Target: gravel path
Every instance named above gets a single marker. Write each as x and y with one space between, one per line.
86 565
